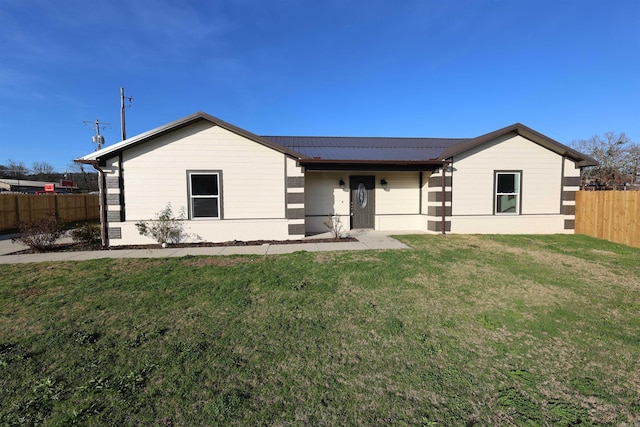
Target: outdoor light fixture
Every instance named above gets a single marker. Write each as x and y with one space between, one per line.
341 183
384 183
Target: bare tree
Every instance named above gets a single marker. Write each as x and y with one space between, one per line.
617 155
634 163
86 181
43 171
16 170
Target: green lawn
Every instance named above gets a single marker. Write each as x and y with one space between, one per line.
459 330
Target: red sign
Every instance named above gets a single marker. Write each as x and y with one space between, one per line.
66 182
49 188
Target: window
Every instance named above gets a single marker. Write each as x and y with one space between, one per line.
507 199
204 195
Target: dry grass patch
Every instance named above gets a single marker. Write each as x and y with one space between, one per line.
587 271
225 261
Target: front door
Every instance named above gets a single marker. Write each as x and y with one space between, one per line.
362 201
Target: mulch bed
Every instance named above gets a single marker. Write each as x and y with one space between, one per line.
75 247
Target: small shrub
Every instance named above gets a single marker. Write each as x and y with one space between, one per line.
88 234
42 234
334 224
166 228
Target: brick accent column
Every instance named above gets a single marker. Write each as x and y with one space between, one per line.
434 199
570 185
294 192
115 198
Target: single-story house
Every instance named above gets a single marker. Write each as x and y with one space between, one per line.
235 185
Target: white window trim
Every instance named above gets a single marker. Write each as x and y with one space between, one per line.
518 194
190 197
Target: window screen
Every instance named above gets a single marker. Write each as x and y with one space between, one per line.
507 193
204 195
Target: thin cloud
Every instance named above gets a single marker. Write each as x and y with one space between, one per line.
17 84
79 34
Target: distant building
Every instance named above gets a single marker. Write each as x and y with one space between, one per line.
32 187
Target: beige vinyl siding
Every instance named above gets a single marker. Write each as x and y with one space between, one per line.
252 174
473 177
398 206
323 194
570 168
292 167
424 188
402 195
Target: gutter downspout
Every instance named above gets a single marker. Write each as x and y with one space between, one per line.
103 204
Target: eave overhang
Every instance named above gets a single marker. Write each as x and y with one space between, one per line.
117 148
528 133
368 165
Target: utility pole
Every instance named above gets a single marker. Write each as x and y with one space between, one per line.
97 138
122 121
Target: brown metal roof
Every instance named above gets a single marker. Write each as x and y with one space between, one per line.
372 149
407 152
320 149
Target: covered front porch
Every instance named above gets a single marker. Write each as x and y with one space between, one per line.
385 200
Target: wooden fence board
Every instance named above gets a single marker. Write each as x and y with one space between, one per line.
609 215
77 207
8 211
33 208
16 208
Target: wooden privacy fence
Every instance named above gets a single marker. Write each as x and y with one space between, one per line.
16 208
610 215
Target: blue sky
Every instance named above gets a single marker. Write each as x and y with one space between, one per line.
424 68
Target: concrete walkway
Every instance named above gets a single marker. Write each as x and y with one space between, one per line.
367 239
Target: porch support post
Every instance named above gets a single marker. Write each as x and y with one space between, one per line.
444 219
102 187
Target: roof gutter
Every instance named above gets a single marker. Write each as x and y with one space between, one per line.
369 165
376 162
